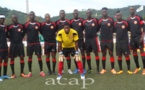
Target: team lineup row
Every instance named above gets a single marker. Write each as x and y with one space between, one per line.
70 35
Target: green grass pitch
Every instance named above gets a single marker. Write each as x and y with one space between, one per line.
102 82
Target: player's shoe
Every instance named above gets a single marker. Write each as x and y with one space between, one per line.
53 73
49 73
136 70
143 72
23 75
129 72
1 79
29 74
69 71
120 72
76 71
113 71
59 77
84 71
89 71
42 74
13 76
103 71
6 77
82 76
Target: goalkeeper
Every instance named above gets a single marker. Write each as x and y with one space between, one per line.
68 45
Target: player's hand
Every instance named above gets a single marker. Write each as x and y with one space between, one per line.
77 53
60 53
141 40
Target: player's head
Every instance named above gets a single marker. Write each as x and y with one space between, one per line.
47 17
66 28
62 14
104 11
2 18
32 16
75 13
89 13
118 15
14 18
132 10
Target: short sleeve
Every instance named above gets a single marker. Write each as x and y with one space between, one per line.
59 37
75 36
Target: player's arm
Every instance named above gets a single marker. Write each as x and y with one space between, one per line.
76 38
98 26
8 33
24 31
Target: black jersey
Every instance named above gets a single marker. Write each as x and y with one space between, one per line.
106 29
32 31
16 33
91 28
78 26
135 24
3 37
49 32
121 29
60 23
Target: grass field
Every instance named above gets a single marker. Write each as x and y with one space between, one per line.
102 82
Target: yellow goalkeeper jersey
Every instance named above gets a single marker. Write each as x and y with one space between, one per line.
67 40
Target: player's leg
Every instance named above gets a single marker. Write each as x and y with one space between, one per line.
134 47
39 53
104 50
47 53
40 65
82 50
112 60
22 64
119 54
53 60
13 51
79 63
127 58
88 57
143 59
29 54
21 54
12 62
126 52
5 65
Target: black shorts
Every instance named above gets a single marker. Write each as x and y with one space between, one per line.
4 54
91 45
106 45
16 50
122 48
68 51
81 44
34 48
49 47
135 44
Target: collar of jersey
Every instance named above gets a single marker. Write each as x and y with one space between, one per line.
63 21
32 23
15 26
47 24
119 22
89 20
132 17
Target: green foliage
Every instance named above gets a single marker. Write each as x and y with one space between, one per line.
23 17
